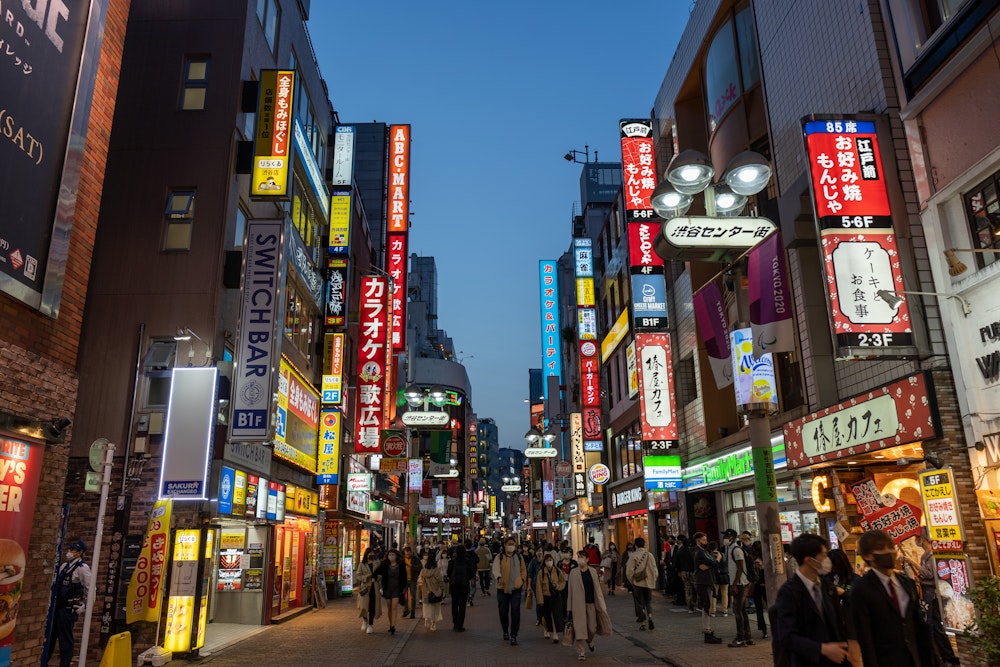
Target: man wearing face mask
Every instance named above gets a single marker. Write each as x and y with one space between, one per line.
884 609
71 586
808 629
511 573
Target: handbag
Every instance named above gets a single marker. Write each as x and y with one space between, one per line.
567 639
603 623
433 598
529 600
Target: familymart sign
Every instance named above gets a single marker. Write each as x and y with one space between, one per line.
727 468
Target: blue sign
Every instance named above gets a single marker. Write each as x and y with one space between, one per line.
649 301
593 445
227 482
548 282
312 169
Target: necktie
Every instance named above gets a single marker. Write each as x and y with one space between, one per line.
818 598
894 596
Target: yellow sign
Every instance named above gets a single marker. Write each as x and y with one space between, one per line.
305 502
295 434
180 608
819 484
328 457
232 539
614 336
145 588
290 498
944 523
585 292
272 148
340 221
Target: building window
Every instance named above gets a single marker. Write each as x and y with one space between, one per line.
180 219
195 83
268 13
241 227
732 65
687 386
982 207
300 319
916 22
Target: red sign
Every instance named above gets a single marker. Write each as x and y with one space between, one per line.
656 390
372 364
640 244
638 168
20 467
282 113
394 445
399 178
590 379
396 268
592 423
846 170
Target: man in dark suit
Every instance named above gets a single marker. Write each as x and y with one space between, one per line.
804 618
885 609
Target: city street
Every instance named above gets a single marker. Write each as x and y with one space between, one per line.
335 633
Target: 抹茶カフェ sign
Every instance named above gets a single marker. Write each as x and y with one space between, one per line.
898 413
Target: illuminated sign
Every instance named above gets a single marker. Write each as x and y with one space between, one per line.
343 155
662 472
944 518
638 168
396 268
656 391
753 377
190 427
296 419
372 364
399 179
615 336
340 222
701 232
819 484
333 364
551 343
274 133
328 456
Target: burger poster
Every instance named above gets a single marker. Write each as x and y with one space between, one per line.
20 468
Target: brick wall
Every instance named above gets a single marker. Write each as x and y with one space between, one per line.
38 355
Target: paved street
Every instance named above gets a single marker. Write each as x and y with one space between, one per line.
335 633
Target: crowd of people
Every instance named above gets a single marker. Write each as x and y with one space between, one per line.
824 614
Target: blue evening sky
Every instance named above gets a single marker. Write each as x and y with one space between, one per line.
496 93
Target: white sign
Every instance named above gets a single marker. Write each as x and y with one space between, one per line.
359 481
871 260
415 472
541 453
655 392
510 488
187 439
701 232
358 502
343 155
426 419
255 350
869 421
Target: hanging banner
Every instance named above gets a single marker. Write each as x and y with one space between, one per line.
641 256
372 364
333 368
638 168
548 282
328 460
710 315
399 179
770 298
753 377
861 256
145 589
632 370
396 268
255 350
656 391
274 134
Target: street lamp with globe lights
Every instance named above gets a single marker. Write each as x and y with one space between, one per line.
420 399
747 174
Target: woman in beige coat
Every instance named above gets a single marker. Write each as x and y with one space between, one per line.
585 604
431 581
369 600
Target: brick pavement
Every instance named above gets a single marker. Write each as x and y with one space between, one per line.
334 635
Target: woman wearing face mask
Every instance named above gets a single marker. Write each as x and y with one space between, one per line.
548 586
585 602
431 584
511 573
369 604
610 556
392 574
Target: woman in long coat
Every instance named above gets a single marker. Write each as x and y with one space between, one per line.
431 581
585 604
369 601
548 586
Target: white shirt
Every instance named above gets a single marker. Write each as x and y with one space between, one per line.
901 594
734 553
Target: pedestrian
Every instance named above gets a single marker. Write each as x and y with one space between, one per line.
684 564
391 573
567 565
593 552
756 562
460 575
443 558
511 573
484 562
840 579
472 563
548 593
721 580
665 569
432 585
610 556
71 586
413 568
885 611
586 604
926 573
369 601
808 628
641 572
704 581
629 550
534 565
738 588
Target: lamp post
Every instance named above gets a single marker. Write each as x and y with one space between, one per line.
691 173
539 442
419 397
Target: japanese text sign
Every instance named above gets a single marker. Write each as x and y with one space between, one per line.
548 281
656 390
396 268
274 131
944 520
399 178
328 456
296 418
343 155
638 168
333 368
640 247
372 360
340 222
145 588
713 327
336 292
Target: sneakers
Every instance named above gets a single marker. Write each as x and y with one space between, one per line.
737 643
506 636
546 635
748 642
369 630
433 626
513 641
651 626
710 638
580 656
364 625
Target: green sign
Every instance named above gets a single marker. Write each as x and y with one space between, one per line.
763 467
728 467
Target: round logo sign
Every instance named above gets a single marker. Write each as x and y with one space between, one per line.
588 349
600 474
564 469
394 445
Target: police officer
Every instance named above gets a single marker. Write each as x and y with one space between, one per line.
71 586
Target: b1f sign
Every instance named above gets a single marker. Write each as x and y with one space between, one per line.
255 366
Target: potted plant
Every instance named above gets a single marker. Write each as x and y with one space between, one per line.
983 633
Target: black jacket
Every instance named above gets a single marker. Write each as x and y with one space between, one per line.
798 628
684 561
886 638
460 571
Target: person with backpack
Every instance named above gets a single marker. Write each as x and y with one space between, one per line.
642 572
721 580
460 575
738 588
511 574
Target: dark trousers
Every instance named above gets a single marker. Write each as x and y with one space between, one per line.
509 605
552 616
459 601
613 581
738 602
484 580
372 592
411 597
643 602
62 632
759 602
